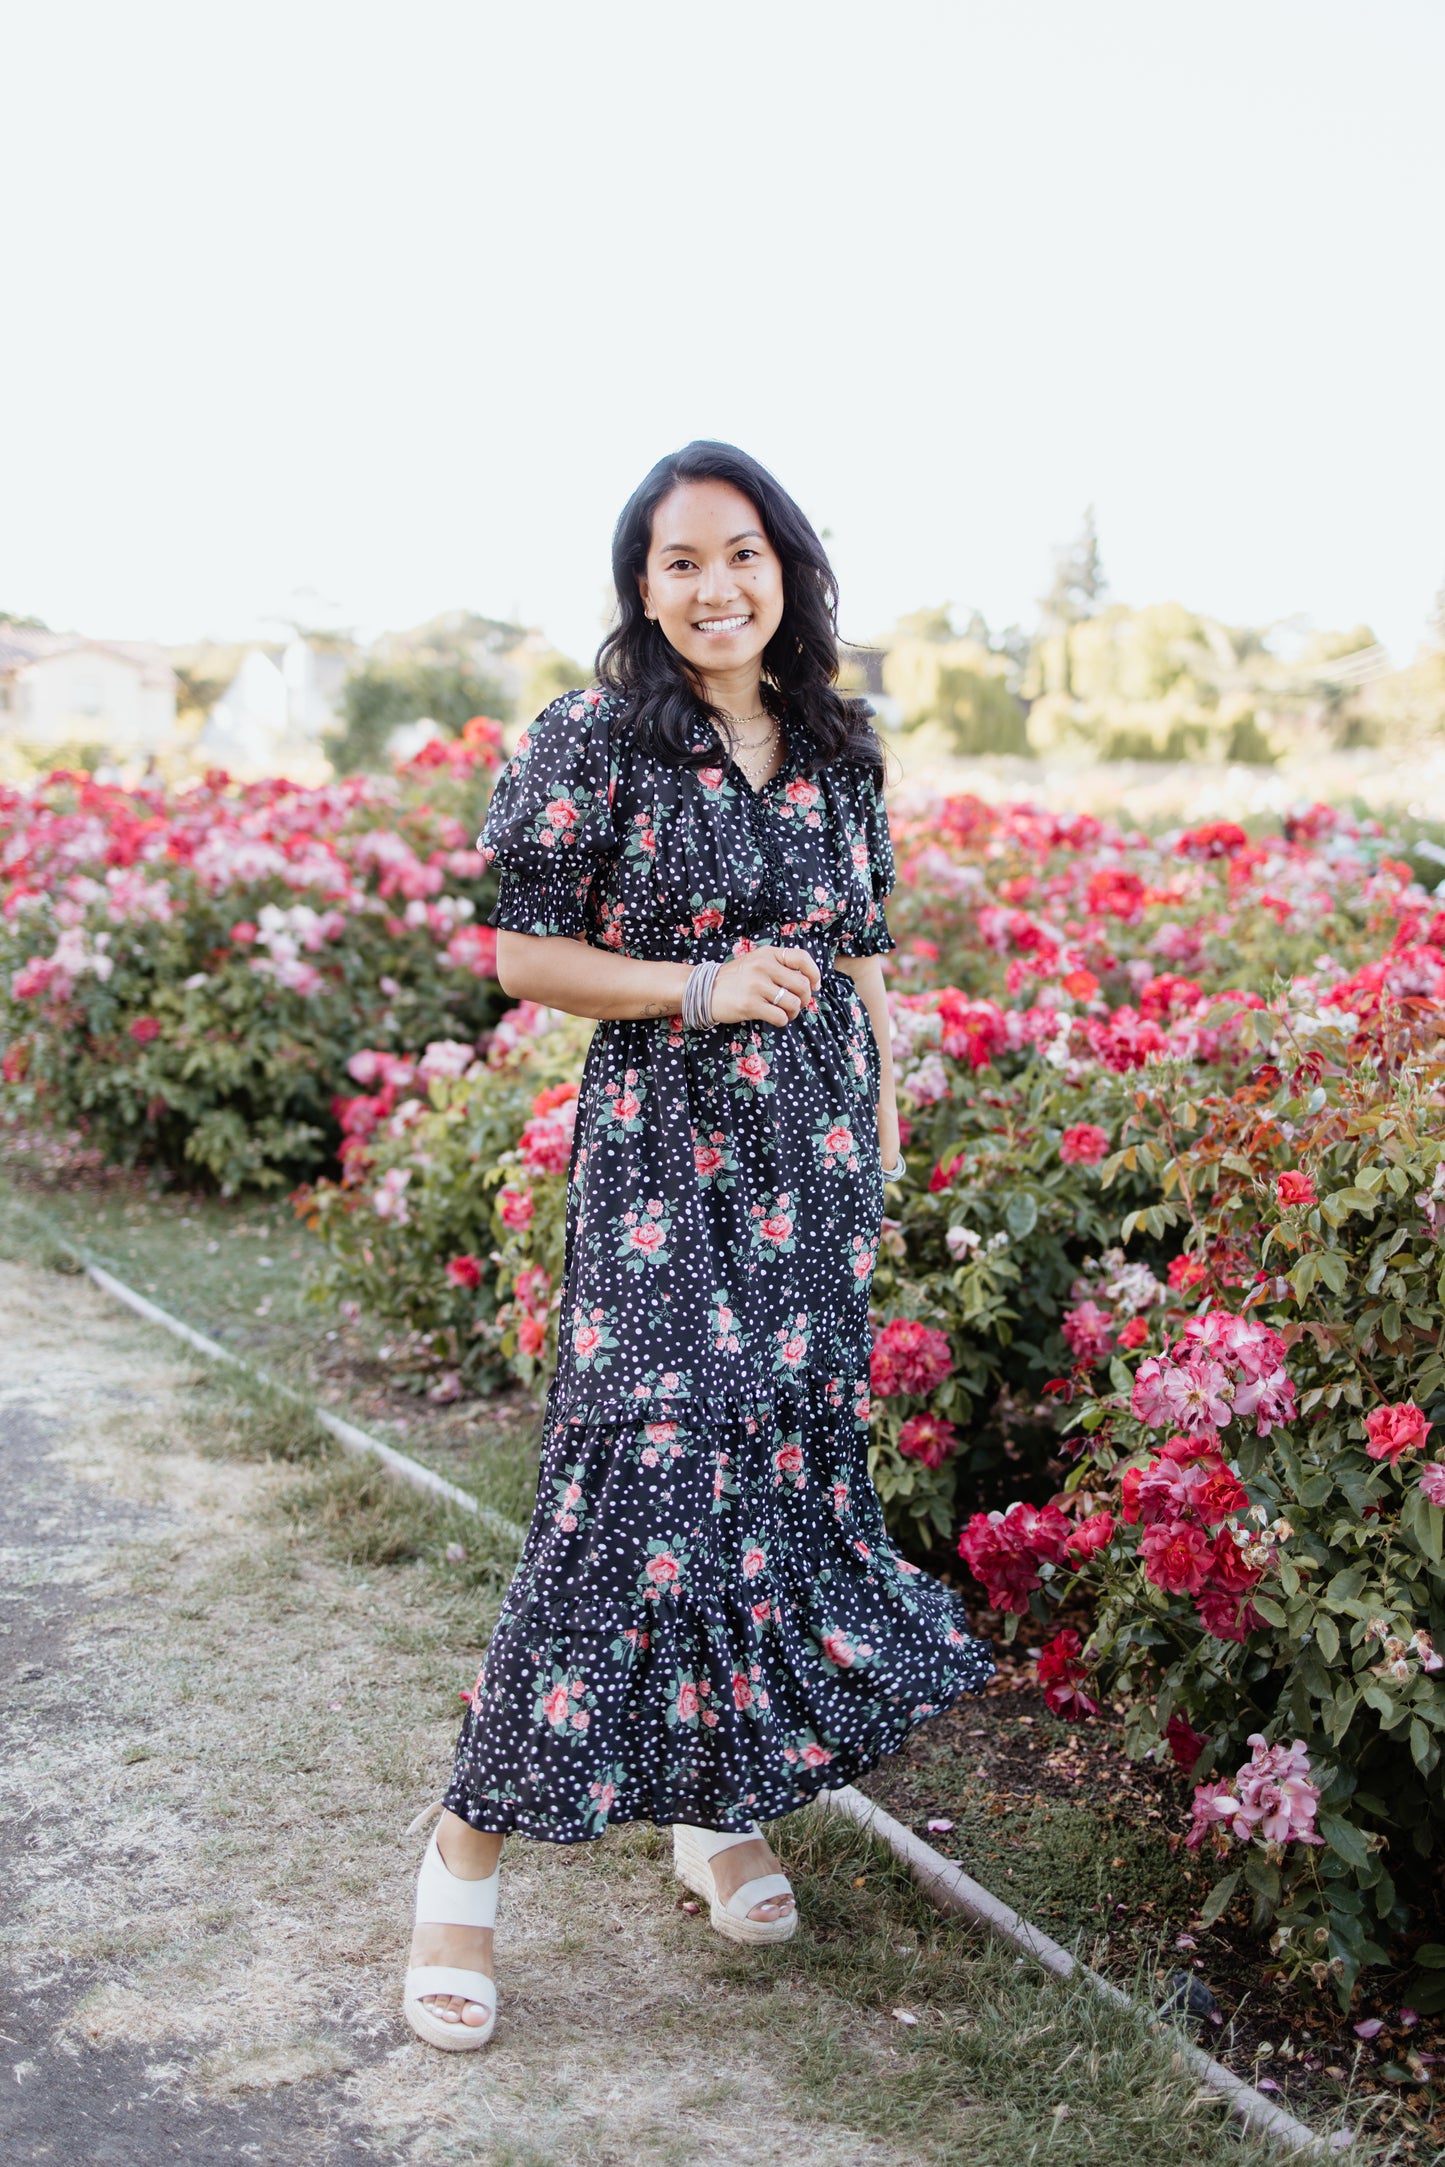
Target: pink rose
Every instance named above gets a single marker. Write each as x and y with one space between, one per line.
464 1272
1393 1431
556 1706
649 1237
144 1029
516 1207
755 1559
816 1756
662 1570
1432 1483
777 1227
686 1701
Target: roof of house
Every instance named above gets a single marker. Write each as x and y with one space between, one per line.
21 647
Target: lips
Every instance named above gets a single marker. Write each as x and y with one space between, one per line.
720 627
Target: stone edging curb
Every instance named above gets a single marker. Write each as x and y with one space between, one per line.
359 1442
949 1887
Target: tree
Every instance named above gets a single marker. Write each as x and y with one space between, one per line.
1079 584
383 696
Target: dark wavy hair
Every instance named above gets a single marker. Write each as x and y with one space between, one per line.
800 661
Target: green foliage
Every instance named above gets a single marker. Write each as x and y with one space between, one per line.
384 695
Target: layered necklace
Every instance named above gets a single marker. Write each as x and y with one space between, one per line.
753 755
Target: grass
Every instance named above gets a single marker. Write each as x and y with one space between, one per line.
238 1271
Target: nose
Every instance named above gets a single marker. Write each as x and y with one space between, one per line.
717 587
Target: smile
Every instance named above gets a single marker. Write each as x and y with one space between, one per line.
721 625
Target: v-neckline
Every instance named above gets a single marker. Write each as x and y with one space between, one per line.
789 756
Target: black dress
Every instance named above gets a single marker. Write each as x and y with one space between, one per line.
709 1622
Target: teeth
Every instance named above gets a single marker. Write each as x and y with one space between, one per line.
721 624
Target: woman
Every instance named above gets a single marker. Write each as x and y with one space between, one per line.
708 1625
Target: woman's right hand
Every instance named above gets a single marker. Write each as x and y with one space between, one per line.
765 985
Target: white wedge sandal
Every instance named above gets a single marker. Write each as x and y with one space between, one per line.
445 1899
693 1850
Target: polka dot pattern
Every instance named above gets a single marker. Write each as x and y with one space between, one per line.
709 1623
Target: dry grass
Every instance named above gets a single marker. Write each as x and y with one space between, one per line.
281 1699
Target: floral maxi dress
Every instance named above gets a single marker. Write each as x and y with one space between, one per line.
709 1622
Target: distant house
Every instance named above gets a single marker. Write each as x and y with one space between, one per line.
273 715
57 689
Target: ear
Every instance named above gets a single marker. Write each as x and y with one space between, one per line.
646 598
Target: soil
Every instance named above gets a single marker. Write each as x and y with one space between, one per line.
1055 1819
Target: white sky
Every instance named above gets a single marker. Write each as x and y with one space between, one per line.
396 303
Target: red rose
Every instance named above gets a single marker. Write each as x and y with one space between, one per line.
144 1029
1395 1430
1293 1189
1185 1743
1176 1558
464 1272
1227 1616
1134 1333
927 1437
1083 1145
1091 1535
1061 1674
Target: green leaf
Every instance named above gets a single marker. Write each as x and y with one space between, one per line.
1021 1214
1216 1902
1121 1377
1327 1638
1432 1955
1344 1839
1269 1608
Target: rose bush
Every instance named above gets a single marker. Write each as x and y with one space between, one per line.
185 974
1271 1472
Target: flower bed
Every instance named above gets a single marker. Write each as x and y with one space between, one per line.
184 975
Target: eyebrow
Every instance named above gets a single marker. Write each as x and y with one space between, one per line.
686 549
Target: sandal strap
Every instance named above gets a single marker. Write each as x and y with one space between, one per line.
709 1841
741 1902
445 1899
424 1979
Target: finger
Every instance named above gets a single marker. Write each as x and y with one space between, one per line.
796 981
800 960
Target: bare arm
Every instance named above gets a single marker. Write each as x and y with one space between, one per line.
866 973
767 985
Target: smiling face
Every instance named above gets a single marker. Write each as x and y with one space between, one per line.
714 582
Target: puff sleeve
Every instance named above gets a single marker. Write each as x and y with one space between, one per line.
865 931
549 823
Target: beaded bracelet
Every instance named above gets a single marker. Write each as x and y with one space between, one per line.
697 996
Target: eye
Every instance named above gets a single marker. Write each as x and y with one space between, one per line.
681 564
748 552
